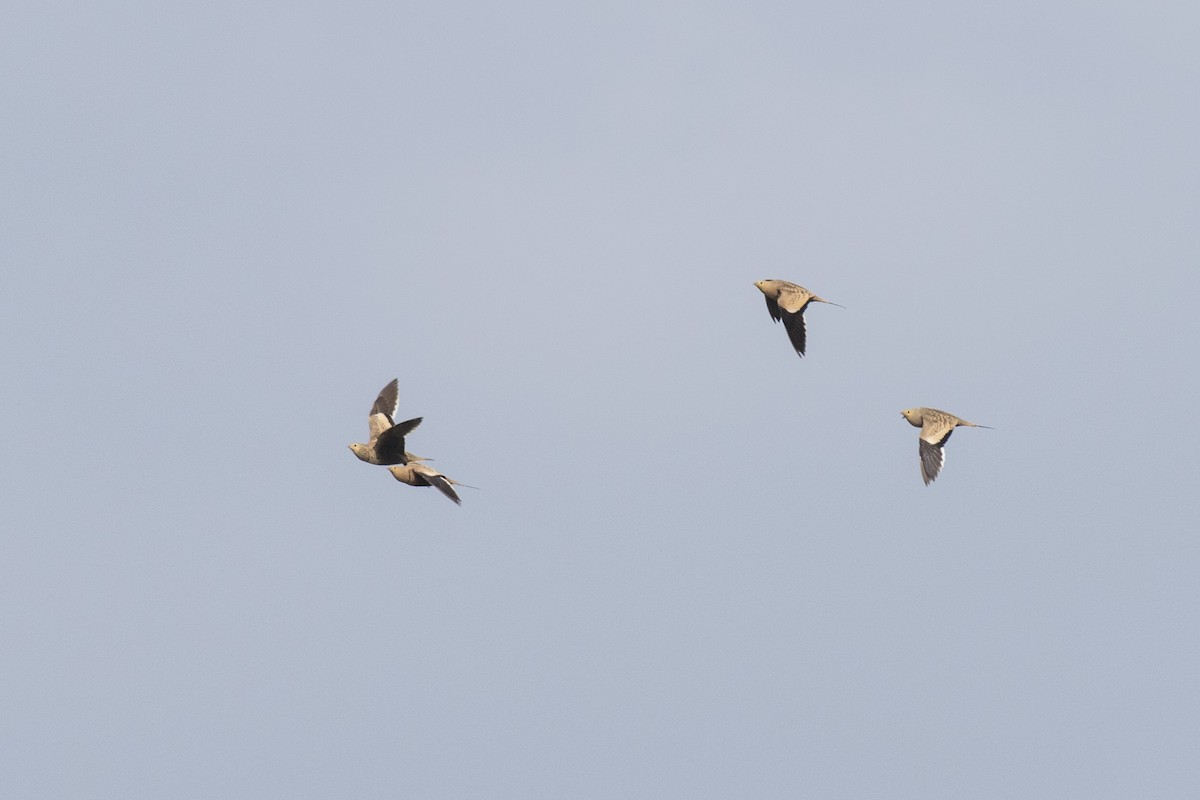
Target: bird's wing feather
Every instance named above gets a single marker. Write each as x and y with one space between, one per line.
772 308
388 400
377 424
793 298
389 446
936 426
933 457
383 410
442 484
794 323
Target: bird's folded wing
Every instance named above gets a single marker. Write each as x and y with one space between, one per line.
792 300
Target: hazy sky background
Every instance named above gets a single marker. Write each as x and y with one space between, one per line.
697 566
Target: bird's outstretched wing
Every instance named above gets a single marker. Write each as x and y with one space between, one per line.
383 410
933 457
772 308
794 323
440 483
389 446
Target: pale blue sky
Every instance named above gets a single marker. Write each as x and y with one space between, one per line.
697 566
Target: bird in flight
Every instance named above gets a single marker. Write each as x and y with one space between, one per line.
415 473
786 301
386 443
936 427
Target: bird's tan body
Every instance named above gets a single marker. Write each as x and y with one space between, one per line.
788 296
368 455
